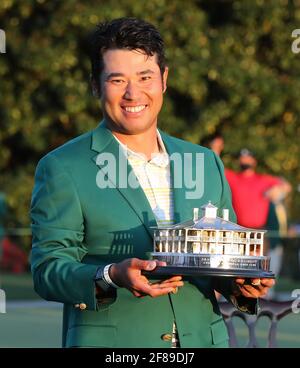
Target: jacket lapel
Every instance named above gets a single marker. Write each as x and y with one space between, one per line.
107 147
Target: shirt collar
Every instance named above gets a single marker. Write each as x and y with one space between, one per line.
160 158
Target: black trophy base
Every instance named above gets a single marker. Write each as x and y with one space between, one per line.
223 265
197 272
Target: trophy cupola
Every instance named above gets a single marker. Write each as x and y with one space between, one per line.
209 210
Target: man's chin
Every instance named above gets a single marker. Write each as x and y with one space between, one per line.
130 128
133 131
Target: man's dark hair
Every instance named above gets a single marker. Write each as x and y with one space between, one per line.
125 33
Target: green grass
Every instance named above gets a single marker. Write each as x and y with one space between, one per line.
31 326
23 325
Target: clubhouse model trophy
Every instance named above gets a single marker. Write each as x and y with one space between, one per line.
211 246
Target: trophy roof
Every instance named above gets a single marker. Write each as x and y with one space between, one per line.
211 221
212 224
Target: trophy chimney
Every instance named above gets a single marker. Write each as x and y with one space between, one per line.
225 214
196 214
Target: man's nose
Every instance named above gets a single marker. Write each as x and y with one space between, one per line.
132 91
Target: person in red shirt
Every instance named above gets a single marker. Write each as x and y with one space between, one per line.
255 198
252 192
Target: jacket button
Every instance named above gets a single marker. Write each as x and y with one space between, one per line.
166 337
81 306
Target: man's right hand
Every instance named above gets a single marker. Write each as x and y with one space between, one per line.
128 274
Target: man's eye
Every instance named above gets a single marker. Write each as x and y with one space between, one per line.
117 81
146 78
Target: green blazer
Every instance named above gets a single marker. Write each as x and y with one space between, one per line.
78 226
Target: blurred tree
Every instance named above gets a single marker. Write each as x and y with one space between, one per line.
231 70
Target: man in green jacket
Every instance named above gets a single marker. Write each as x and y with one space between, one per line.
97 197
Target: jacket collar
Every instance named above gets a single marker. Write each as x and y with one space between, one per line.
101 137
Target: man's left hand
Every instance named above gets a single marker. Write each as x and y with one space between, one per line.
252 288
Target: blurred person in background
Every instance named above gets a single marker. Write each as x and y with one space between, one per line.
258 199
215 142
2 215
12 257
258 202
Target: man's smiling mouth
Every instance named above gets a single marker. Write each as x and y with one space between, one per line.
134 108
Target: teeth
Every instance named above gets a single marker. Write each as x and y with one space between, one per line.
134 108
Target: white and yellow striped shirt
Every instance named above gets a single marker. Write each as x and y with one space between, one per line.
155 179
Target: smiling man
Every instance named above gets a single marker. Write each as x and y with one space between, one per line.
91 243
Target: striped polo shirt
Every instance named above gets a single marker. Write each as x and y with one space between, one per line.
155 179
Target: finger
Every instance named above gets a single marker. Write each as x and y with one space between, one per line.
258 293
252 288
247 281
164 291
167 285
254 291
155 290
148 265
240 281
137 294
249 291
264 282
255 282
264 291
267 282
142 287
141 264
171 279
174 278
160 263
246 293
175 291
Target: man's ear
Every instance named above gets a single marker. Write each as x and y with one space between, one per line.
95 88
164 78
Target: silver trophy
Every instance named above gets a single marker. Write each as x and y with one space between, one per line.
211 246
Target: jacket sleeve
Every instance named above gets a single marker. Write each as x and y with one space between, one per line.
58 238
